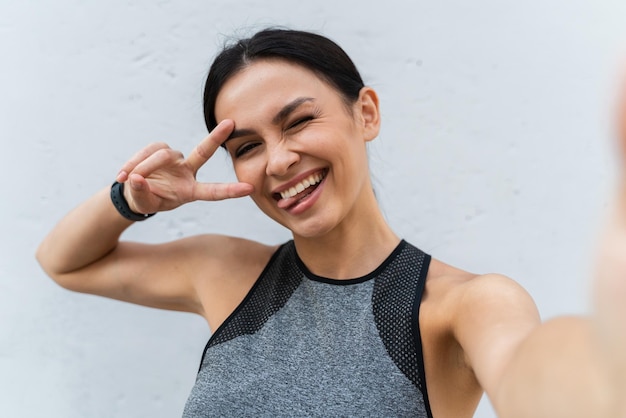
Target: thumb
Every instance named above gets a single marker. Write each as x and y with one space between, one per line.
137 190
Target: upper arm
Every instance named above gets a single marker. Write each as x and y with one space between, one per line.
494 315
166 276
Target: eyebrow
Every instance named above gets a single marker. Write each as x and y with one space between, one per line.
282 114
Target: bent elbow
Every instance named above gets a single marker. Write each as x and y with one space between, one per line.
47 263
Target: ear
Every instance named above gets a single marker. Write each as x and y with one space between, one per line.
369 113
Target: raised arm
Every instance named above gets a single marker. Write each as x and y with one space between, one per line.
83 252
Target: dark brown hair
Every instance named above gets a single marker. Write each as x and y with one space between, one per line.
312 51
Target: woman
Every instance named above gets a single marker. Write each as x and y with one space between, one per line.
347 319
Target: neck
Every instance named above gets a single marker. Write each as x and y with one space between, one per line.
353 249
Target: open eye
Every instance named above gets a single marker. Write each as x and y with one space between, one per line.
245 148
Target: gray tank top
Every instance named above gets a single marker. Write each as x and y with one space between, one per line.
304 345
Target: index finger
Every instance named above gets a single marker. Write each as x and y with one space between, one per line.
205 149
136 159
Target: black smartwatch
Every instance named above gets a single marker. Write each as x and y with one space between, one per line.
120 203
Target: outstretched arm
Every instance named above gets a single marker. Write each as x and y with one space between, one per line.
560 368
567 367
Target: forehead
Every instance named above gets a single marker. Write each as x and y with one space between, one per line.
268 84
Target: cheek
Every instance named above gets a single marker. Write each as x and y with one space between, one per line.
247 172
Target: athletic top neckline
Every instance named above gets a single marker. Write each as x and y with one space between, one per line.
346 282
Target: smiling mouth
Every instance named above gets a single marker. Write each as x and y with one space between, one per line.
302 189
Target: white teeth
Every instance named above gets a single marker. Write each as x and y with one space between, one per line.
307 182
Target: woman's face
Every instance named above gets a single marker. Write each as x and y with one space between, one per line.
300 146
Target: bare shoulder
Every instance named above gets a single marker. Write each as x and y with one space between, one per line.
453 302
456 290
228 259
444 287
485 315
223 269
471 325
476 309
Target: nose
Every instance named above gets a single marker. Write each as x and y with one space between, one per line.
279 159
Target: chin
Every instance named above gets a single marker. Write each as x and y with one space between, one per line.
310 230
313 227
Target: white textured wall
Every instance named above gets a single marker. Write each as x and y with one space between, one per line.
493 157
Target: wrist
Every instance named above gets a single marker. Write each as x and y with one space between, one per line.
121 204
125 190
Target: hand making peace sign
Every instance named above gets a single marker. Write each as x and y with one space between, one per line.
161 179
